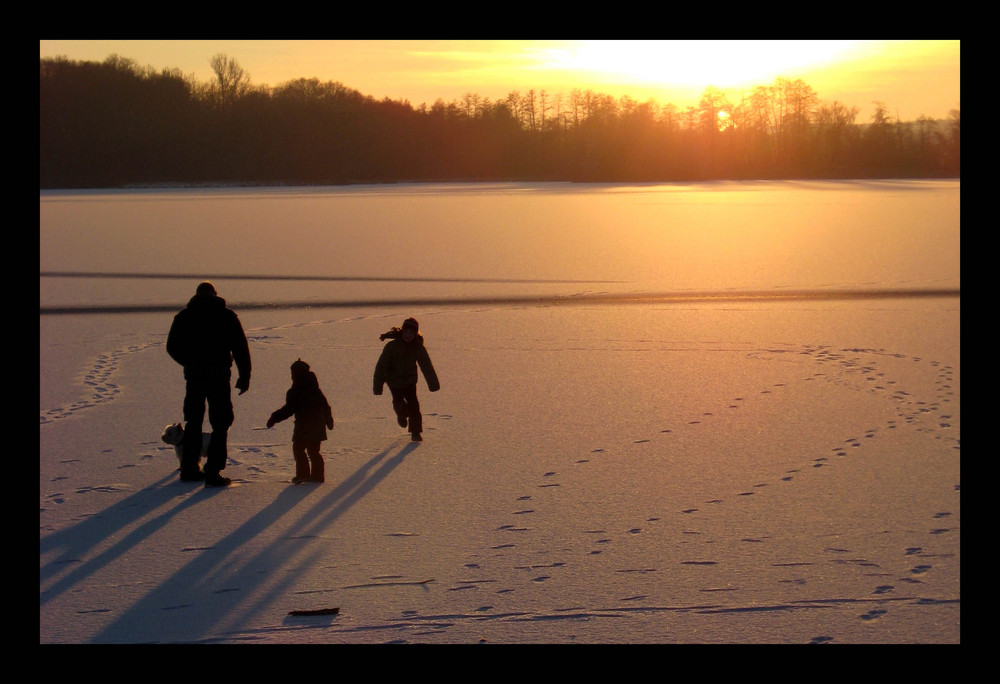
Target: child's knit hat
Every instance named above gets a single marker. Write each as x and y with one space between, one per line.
300 368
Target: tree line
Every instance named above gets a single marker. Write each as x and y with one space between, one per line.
114 123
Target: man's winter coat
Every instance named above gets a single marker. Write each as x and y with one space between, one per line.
397 366
207 337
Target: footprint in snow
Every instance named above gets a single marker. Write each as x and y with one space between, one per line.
872 615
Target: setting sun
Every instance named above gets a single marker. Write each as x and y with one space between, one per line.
912 77
697 63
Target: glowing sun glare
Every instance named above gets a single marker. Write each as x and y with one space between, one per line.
697 63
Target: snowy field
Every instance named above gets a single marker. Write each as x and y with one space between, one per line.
668 471
707 474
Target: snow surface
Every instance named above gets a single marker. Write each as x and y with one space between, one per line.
629 473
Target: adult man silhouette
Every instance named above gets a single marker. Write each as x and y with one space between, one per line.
206 338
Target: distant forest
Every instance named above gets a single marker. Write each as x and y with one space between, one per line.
114 124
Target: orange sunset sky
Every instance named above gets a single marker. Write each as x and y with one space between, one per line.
911 77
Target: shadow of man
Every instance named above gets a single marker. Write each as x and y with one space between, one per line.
75 542
196 585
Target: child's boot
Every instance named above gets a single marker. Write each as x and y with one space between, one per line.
301 469
318 474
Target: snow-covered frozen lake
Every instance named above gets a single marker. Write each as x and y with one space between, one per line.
693 413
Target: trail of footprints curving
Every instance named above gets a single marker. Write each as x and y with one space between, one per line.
98 383
98 378
931 415
855 368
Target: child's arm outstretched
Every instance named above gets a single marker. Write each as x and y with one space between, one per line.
286 411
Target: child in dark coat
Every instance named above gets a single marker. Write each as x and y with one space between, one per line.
397 368
313 416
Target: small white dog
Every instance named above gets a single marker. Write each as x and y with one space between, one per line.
174 435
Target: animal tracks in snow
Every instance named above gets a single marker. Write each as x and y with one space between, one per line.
97 382
930 411
547 556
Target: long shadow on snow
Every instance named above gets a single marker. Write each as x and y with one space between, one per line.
75 542
315 522
197 584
